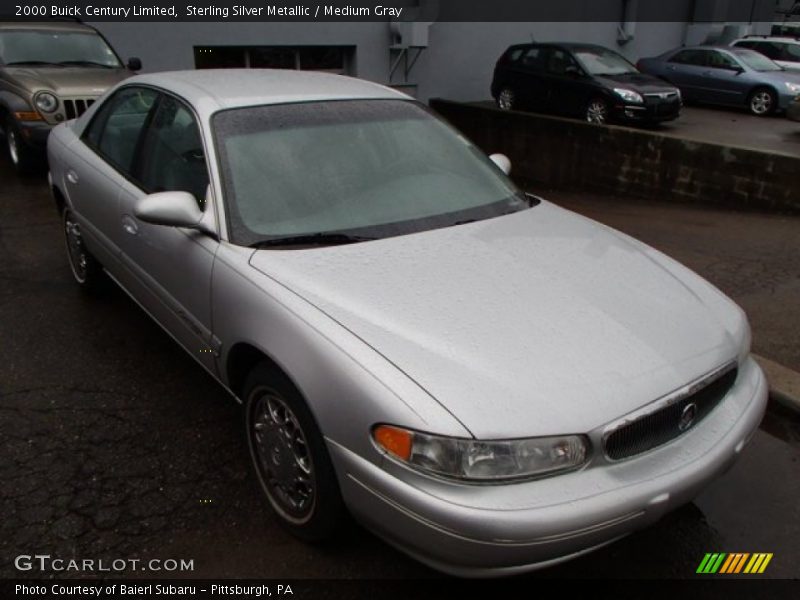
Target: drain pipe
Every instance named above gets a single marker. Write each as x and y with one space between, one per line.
626 30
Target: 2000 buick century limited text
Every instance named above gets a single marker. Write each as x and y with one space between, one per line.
487 381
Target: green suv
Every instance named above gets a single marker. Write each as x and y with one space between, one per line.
49 73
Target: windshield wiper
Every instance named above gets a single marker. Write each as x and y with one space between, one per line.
85 63
33 63
312 239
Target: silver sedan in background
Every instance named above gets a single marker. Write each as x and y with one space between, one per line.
489 382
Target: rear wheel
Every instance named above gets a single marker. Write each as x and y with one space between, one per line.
86 271
762 102
507 99
597 111
23 158
290 457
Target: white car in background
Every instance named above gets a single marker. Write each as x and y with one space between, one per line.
784 51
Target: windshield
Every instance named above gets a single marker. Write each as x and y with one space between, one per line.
367 168
56 47
757 61
604 62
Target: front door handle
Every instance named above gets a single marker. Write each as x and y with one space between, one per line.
72 176
129 225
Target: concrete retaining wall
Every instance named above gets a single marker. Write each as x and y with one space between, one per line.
552 152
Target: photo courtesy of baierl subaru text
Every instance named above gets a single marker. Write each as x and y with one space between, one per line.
410 299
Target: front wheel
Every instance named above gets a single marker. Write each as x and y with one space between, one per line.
507 99
762 102
289 456
23 158
597 112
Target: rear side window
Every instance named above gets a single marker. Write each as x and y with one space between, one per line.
791 52
116 127
689 57
533 59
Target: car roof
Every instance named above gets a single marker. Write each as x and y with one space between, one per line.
566 45
46 26
790 39
215 89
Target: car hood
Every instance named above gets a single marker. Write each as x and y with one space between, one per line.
536 323
68 81
638 82
778 77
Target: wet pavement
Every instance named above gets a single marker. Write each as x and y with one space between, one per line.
115 444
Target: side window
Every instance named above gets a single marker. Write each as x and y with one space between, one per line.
514 55
718 60
769 49
689 57
533 59
172 157
117 125
791 52
558 61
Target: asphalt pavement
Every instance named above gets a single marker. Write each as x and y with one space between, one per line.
115 444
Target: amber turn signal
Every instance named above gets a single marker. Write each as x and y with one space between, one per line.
394 440
28 116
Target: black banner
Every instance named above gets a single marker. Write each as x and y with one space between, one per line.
743 11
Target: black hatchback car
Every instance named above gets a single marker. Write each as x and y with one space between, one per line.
581 80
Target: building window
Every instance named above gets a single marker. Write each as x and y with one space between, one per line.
331 59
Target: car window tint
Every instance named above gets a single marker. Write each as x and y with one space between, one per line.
172 157
791 52
115 129
514 55
719 60
558 61
689 57
533 59
768 49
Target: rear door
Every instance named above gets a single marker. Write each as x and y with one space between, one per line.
684 69
96 167
569 91
525 77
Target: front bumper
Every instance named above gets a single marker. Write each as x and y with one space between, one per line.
500 530
34 133
793 112
652 111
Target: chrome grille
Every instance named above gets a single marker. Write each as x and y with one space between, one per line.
662 95
665 423
75 107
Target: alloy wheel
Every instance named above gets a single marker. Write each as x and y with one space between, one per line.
597 112
76 253
282 456
505 100
761 102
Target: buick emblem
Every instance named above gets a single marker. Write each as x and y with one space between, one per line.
687 416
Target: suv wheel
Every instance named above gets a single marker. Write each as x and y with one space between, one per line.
761 102
506 99
290 457
22 157
597 112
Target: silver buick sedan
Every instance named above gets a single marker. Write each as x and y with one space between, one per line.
489 382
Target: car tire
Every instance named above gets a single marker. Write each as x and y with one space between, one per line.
86 270
507 99
290 457
23 158
597 111
762 102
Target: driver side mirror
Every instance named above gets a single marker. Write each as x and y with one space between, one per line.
573 71
173 209
502 162
134 64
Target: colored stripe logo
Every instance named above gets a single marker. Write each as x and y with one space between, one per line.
734 563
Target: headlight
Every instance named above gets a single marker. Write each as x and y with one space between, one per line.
46 102
793 87
629 95
677 91
482 461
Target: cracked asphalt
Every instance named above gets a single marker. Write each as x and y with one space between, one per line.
115 444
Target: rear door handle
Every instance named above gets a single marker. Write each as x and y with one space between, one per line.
72 176
129 225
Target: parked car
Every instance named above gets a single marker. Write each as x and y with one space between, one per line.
784 51
487 380
726 76
581 80
49 73
793 112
